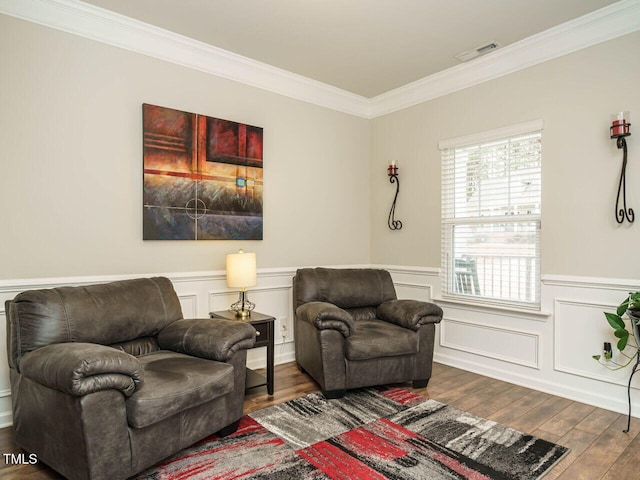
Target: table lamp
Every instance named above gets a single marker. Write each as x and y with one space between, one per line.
241 273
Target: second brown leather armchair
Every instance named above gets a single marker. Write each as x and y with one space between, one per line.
351 331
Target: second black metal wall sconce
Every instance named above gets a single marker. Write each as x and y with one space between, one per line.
392 171
619 130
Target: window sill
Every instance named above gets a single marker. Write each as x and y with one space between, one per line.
538 315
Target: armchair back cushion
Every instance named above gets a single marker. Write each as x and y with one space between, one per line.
346 288
116 312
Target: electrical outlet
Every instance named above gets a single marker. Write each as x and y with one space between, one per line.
607 353
284 329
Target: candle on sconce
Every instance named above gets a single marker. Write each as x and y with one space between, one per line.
620 124
392 169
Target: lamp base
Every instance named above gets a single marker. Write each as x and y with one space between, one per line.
243 306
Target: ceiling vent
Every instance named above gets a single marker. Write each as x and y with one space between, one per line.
476 52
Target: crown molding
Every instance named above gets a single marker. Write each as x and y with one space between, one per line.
95 23
88 21
604 24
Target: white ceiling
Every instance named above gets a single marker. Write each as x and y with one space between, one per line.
367 47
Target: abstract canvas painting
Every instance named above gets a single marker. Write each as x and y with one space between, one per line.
202 177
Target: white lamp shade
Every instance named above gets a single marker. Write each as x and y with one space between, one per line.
241 270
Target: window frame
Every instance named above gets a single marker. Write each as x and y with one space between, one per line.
449 220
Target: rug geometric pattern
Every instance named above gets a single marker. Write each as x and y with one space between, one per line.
374 433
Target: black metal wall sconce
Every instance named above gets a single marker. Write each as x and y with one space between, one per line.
619 130
392 171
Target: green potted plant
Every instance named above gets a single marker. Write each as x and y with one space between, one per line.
630 306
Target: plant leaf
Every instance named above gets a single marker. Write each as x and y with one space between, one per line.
634 300
623 307
596 357
614 320
621 333
622 343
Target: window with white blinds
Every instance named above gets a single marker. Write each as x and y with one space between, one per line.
491 191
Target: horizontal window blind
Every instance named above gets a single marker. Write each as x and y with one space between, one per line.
491 213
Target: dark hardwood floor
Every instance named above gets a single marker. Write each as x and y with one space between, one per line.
599 448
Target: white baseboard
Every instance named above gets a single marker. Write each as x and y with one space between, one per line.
6 419
608 402
283 353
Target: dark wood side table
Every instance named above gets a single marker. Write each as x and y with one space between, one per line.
264 338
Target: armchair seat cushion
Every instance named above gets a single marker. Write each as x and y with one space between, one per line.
175 382
375 338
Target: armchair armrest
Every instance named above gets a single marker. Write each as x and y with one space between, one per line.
325 316
214 339
82 368
409 313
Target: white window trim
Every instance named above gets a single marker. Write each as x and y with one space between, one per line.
532 313
479 138
487 136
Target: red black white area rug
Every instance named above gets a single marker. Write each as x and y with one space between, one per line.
375 433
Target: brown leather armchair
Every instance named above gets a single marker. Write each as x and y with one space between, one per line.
351 331
109 379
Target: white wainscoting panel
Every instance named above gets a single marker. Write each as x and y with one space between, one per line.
413 282
570 328
584 320
413 291
504 344
549 350
189 305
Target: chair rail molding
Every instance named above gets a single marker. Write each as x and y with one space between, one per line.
600 283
